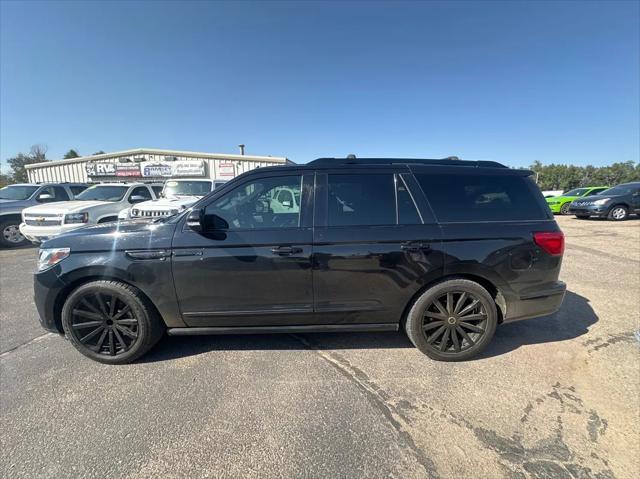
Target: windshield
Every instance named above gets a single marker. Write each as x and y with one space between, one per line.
186 188
103 193
17 192
619 190
576 192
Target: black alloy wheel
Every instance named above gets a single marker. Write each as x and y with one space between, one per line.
110 322
104 324
453 320
564 209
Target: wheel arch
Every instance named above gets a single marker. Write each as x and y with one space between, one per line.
77 282
486 283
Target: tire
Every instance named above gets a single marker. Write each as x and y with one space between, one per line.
618 213
564 209
10 235
427 333
124 324
582 217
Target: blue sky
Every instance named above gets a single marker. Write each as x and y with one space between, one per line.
508 81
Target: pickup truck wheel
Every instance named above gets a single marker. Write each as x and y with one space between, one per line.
11 235
110 322
564 209
452 321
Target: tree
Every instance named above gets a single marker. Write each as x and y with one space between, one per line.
71 154
4 180
37 154
99 152
566 177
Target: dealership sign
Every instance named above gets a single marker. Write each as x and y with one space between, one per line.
130 170
226 170
100 169
188 168
156 169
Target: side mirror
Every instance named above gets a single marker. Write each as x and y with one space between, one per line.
194 220
137 199
44 197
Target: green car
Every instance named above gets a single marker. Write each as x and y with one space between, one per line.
560 204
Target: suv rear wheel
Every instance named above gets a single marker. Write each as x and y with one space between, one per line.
10 234
110 322
453 320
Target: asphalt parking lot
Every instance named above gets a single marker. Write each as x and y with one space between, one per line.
555 397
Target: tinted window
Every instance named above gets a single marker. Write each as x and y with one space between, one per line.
17 192
595 191
141 191
77 189
459 197
407 212
576 192
57 193
103 193
262 203
361 200
157 189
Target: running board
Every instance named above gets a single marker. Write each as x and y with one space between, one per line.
319 328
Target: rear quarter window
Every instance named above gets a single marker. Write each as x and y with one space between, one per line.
481 197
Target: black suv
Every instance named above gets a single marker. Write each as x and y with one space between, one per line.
446 249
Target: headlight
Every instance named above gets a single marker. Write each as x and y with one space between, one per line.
76 218
601 202
51 257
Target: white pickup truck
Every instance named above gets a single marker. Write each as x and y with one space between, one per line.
176 196
97 204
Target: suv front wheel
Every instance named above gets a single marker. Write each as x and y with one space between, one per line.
110 322
453 320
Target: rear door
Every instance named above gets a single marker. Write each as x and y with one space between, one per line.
375 244
488 217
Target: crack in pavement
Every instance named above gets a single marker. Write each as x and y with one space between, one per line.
379 398
24 345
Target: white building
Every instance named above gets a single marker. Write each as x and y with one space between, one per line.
147 164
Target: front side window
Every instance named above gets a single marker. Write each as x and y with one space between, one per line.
17 192
259 204
77 189
595 191
361 200
486 197
103 193
140 192
55 193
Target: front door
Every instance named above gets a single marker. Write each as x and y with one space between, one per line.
374 248
251 265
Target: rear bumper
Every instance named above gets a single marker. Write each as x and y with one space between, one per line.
589 210
540 301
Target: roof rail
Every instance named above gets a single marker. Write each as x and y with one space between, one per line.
449 161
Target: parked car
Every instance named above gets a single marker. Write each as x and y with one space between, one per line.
97 204
560 204
176 196
15 198
615 203
376 245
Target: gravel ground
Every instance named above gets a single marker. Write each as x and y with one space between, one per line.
555 397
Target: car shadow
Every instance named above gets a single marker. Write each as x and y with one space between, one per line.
572 320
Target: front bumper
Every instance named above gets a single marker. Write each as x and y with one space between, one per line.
589 210
46 289
535 302
38 234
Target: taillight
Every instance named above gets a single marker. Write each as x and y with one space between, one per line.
552 243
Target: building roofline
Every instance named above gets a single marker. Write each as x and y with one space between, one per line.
155 151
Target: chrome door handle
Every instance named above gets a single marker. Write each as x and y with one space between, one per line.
286 250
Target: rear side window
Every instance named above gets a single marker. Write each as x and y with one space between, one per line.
359 200
462 198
